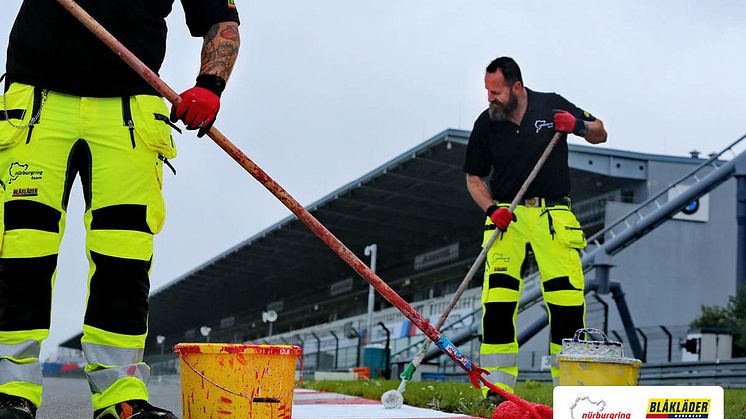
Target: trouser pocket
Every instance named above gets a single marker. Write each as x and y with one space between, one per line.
566 228
20 107
145 118
156 215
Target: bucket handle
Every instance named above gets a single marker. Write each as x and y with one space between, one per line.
243 395
591 332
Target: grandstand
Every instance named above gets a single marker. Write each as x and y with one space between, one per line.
428 232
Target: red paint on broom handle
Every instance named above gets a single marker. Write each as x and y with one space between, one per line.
309 220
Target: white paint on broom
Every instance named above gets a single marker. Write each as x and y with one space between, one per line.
392 399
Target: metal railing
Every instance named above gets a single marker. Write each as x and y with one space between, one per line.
729 373
654 203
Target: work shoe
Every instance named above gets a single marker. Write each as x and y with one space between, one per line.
136 409
14 407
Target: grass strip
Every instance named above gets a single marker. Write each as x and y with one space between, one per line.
462 398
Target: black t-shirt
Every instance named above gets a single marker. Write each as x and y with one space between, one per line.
511 151
50 49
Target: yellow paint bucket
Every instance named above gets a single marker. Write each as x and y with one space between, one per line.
598 362
597 371
237 381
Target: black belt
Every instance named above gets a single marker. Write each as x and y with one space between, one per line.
536 201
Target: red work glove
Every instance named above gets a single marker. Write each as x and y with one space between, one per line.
500 216
565 122
199 105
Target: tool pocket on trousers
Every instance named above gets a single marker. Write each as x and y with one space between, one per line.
489 229
568 229
16 108
156 214
151 125
2 213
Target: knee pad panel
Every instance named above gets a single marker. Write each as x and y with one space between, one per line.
498 326
26 292
118 296
565 320
131 217
32 215
561 283
504 281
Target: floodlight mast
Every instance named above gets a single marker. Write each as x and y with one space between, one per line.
372 251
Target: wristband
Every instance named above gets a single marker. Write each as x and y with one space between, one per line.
490 210
581 128
212 83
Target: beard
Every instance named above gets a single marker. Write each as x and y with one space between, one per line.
499 111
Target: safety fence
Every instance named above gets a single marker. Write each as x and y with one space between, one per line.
660 343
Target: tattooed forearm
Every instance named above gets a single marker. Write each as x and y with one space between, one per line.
220 49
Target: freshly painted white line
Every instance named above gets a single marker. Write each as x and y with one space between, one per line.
309 404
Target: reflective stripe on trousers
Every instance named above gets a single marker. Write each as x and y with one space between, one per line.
29 372
111 355
100 380
20 362
491 361
498 360
501 377
27 349
107 364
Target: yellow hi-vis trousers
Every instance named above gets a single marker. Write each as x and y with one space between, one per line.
117 147
554 235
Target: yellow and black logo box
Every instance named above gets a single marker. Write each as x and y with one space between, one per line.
678 408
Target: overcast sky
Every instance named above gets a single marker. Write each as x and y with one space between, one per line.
325 91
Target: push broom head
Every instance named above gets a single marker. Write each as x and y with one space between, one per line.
392 399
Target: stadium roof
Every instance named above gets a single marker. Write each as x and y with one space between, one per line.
415 203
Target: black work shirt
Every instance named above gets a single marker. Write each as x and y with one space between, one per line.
511 151
48 48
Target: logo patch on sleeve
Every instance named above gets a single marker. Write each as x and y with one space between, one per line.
232 4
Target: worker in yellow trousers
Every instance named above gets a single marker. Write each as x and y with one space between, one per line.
505 144
72 108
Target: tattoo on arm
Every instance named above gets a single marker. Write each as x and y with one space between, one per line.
220 49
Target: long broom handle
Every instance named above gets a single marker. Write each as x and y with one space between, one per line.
407 374
278 191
